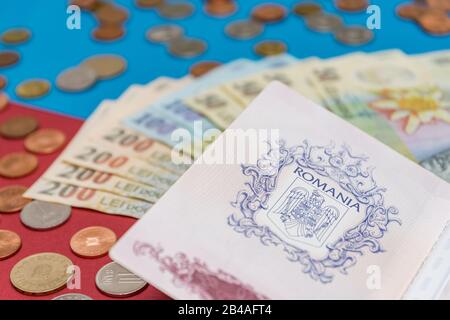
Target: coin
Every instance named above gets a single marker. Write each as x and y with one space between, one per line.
178 10
220 8
10 243
3 82
76 79
270 48
16 36
443 5
435 22
72 296
106 66
17 164
148 3
116 281
11 199
41 273
45 141
410 11
92 242
269 13
352 5
8 58
85 4
18 127
187 48
110 14
323 22
354 35
108 32
244 29
307 8
42 215
203 67
164 33
3 100
34 88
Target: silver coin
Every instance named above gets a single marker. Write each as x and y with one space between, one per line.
114 280
187 48
72 296
76 79
164 33
324 22
177 10
42 215
244 29
354 35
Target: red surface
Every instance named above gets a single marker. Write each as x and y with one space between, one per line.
56 240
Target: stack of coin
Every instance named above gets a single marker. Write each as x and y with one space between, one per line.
320 21
431 15
220 8
173 37
85 75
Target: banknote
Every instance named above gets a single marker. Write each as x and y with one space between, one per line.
82 197
154 122
340 213
84 171
89 178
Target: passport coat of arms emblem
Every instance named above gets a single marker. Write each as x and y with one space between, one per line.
308 216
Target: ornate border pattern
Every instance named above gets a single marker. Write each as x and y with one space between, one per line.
338 164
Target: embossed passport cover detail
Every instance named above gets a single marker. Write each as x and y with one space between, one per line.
319 213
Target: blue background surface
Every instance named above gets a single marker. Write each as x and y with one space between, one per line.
54 48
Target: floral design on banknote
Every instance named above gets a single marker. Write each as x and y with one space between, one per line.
330 184
417 106
196 276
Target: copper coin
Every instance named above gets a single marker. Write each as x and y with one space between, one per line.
410 11
88 5
352 5
307 8
439 4
3 100
108 32
148 3
92 242
435 22
10 243
203 67
11 199
8 58
33 88
269 13
18 127
110 14
16 36
45 141
270 48
220 8
17 164
3 82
